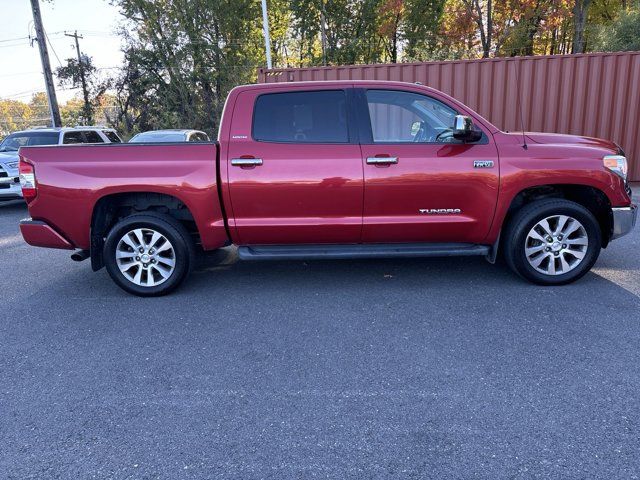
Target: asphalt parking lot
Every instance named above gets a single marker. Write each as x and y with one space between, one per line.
435 368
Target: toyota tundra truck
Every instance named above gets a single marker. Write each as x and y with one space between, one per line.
332 170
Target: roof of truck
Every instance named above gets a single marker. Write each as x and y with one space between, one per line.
320 83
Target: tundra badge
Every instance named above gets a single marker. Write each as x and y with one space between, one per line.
483 164
440 211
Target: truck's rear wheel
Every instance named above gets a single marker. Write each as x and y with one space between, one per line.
148 254
552 242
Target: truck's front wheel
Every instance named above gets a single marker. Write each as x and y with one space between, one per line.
552 242
148 254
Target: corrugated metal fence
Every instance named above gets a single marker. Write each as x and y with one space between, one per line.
595 94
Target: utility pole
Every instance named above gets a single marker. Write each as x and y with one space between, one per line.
85 92
267 38
56 121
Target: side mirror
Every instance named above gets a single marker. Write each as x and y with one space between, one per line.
463 129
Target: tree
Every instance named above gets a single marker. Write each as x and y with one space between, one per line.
621 35
182 57
39 109
70 75
480 25
421 25
14 115
580 8
352 30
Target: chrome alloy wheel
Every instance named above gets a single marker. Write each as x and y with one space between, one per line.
556 245
145 257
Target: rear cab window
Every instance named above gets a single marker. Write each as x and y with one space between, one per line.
301 117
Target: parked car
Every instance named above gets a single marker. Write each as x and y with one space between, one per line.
9 181
169 136
311 170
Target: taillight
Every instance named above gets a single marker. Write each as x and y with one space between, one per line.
28 180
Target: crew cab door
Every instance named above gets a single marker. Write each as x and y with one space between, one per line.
421 184
294 168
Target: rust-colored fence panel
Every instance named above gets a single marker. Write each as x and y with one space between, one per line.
596 94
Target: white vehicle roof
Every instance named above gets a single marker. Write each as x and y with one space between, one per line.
67 129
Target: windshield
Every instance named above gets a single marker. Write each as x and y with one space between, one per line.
16 140
159 137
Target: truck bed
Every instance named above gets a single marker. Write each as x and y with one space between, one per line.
74 178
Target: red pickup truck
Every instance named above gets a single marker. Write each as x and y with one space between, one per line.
355 169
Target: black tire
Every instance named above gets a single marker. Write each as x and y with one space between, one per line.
526 218
174 232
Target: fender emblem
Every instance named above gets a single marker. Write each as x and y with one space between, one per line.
483 164
440 211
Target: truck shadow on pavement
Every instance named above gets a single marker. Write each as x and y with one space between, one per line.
457 281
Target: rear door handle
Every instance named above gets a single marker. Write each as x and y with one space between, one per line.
381 160
246 162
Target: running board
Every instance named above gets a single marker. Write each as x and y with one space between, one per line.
379 250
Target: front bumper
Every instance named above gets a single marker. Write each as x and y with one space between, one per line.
624 219
39 234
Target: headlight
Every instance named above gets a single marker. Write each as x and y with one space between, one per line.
12 164
617 164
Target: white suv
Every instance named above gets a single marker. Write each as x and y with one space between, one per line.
9 182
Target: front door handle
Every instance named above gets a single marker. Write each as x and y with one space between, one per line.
381 160
246 162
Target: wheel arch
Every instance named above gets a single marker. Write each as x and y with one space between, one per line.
592 198
112 207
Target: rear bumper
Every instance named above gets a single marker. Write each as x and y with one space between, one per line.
39 234
624 219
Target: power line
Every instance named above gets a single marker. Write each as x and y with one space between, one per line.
52 49
13 39
17 74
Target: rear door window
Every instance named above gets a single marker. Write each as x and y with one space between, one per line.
92 136
301 117
73 137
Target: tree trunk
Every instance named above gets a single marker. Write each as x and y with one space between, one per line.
485 28
580 8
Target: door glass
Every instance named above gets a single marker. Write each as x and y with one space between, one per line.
92 137
73 137
405 117
301 117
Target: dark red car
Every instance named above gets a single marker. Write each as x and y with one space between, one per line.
332 170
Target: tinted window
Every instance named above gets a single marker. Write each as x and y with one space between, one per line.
92 137
15 141
112 136
401 117
73 137
301 117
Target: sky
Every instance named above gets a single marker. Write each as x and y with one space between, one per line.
20 68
